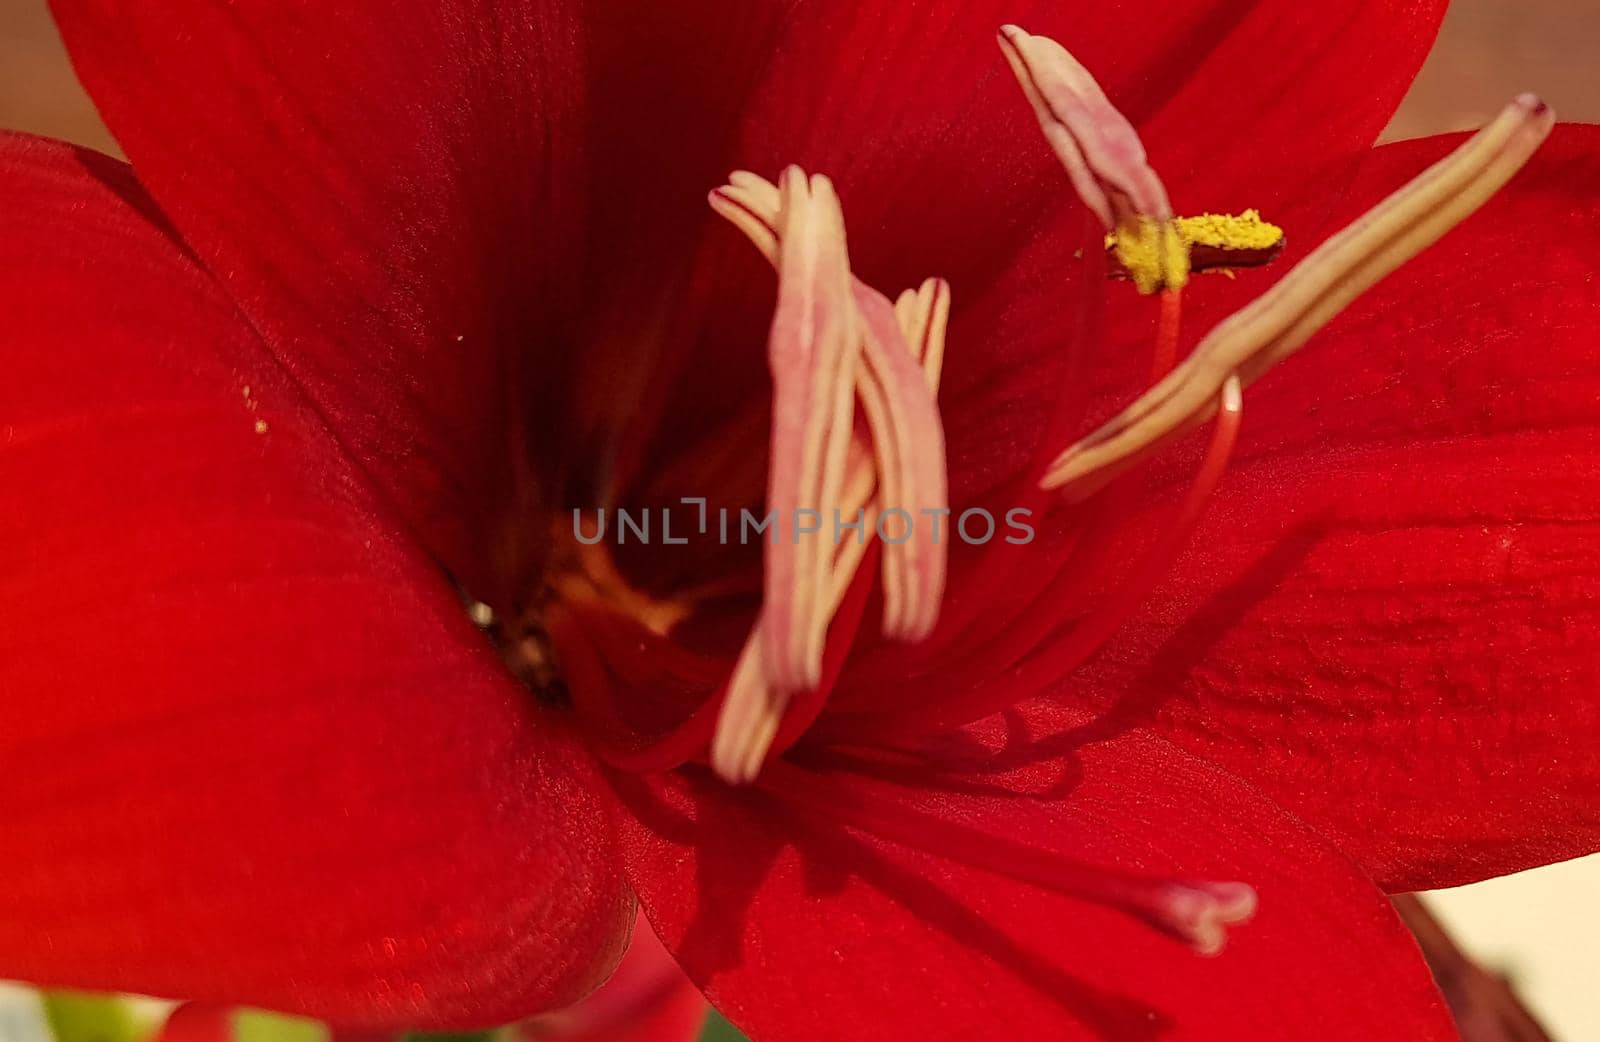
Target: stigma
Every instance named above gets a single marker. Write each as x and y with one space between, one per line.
1194 912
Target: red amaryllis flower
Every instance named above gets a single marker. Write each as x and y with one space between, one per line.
384 297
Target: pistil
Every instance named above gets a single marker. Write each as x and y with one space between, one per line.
1195 912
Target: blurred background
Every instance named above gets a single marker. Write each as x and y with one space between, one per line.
1541 928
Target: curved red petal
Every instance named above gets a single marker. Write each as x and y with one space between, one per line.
648 999
796 924
255 752
1388 622
1237 135
391 200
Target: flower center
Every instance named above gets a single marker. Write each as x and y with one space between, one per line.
857 446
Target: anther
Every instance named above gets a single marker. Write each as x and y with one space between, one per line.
1098 146
1103 157
1215 242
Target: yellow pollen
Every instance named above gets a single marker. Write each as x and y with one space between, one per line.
1245 231
1154 252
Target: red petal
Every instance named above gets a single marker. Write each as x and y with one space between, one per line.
1239 132
254 751
795 924
198 1022
377 193
648 999
1389 621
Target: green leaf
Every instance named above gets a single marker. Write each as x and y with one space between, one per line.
80 1016
254 1025
717 1029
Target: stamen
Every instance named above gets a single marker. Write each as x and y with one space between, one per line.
1099 147
750 715
1103 156
1274 326
813 350
910 439
1094 632
752 204
924 315
761 726
903 463
1168 327
1195 912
